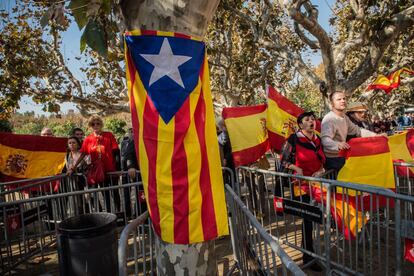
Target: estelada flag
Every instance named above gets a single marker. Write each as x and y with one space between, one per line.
246 126
389 83
175 135
368 161
281 118
30 156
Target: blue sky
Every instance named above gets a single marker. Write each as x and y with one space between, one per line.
71 43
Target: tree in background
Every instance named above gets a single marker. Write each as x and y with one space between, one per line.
251 44
28 123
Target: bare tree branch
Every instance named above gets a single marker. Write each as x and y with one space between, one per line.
310 22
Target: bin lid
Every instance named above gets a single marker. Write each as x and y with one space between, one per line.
87 225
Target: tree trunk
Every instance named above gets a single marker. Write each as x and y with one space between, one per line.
185 259
190 17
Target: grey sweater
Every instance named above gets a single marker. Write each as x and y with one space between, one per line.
334 131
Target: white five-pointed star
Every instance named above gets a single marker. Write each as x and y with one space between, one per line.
166 64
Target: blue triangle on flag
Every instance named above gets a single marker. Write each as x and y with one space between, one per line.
167 87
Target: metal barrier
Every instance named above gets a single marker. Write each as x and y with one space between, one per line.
28 225
349 228
136 245
257 252
404 178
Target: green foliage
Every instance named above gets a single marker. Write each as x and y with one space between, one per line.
64 129
5 126
33 128
79 10
94 37
116 126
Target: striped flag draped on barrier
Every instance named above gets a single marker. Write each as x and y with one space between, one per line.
246 126
402 150
368 161
174 128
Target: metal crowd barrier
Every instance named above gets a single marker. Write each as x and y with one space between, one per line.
31 211
136 247
256 252
404 178
347 228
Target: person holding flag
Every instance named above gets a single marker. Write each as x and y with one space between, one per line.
336 126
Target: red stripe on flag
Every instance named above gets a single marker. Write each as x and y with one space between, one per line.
180 35
410 142
207 206
148 32
283 102
34 142
366 146
250 155
276 141
180 176
236 112
150 136
134 114
387 88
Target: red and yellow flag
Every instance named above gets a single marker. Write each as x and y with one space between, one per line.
246 126
368 161
175 134
391 82
30 156
402 150
402 146
281 118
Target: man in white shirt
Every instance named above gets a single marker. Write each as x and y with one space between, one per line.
335 128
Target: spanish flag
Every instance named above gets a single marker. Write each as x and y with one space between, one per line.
402 150
30 156
175 135
391 82
402 146
246 126
281 118
368 161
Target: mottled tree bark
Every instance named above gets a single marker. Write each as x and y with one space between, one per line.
190 17
185 259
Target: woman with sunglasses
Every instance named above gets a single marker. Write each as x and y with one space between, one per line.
103 150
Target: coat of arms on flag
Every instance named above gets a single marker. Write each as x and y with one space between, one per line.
174 128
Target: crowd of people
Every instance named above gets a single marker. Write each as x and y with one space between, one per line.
98 154
304 152
308 154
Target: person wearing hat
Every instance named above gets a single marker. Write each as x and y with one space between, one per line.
357 114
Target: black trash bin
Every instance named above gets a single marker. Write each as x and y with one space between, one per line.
88 245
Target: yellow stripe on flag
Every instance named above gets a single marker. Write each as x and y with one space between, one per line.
375 170
165 150
140 100
34 164
278 120
216 177
398 147
192 148
247 131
